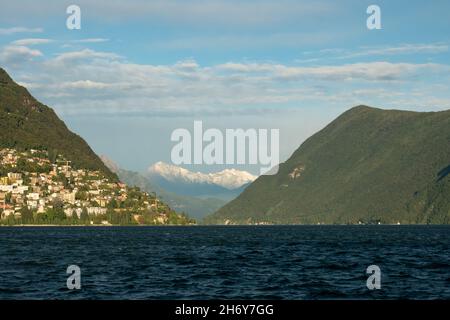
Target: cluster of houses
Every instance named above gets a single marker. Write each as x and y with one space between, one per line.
46 182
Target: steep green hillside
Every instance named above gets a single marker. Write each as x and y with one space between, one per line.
25 123
368 165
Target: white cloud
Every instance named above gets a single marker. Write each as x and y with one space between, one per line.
13 30
371 71
18 54
83 55
84 84
91 40
399 50
31 41
92 82
373 51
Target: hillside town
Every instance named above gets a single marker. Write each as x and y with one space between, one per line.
38 187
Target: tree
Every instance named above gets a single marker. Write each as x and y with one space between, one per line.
113 204
8 197
84 217
111 216
74 217
81 195
27 215
52 155
41 217
50 216
63 179
58 210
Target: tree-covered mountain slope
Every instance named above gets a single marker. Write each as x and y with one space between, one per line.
369 165
25 123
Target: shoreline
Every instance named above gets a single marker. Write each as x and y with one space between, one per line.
92 225
215 225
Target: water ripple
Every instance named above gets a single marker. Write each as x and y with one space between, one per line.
279 262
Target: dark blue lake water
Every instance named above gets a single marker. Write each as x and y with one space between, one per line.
276 262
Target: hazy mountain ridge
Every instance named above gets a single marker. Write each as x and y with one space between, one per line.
228 178
369 165
195 207
225 185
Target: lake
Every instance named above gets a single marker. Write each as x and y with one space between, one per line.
254 262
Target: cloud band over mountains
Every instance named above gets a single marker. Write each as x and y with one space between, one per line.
90 82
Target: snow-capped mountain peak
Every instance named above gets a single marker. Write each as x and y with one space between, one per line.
228 178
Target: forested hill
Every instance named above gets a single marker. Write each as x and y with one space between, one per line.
367 166
25 123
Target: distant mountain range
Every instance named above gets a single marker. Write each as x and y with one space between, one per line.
195 193
367 166
225 184
196 208
228 178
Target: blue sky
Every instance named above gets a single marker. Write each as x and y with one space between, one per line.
139 69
